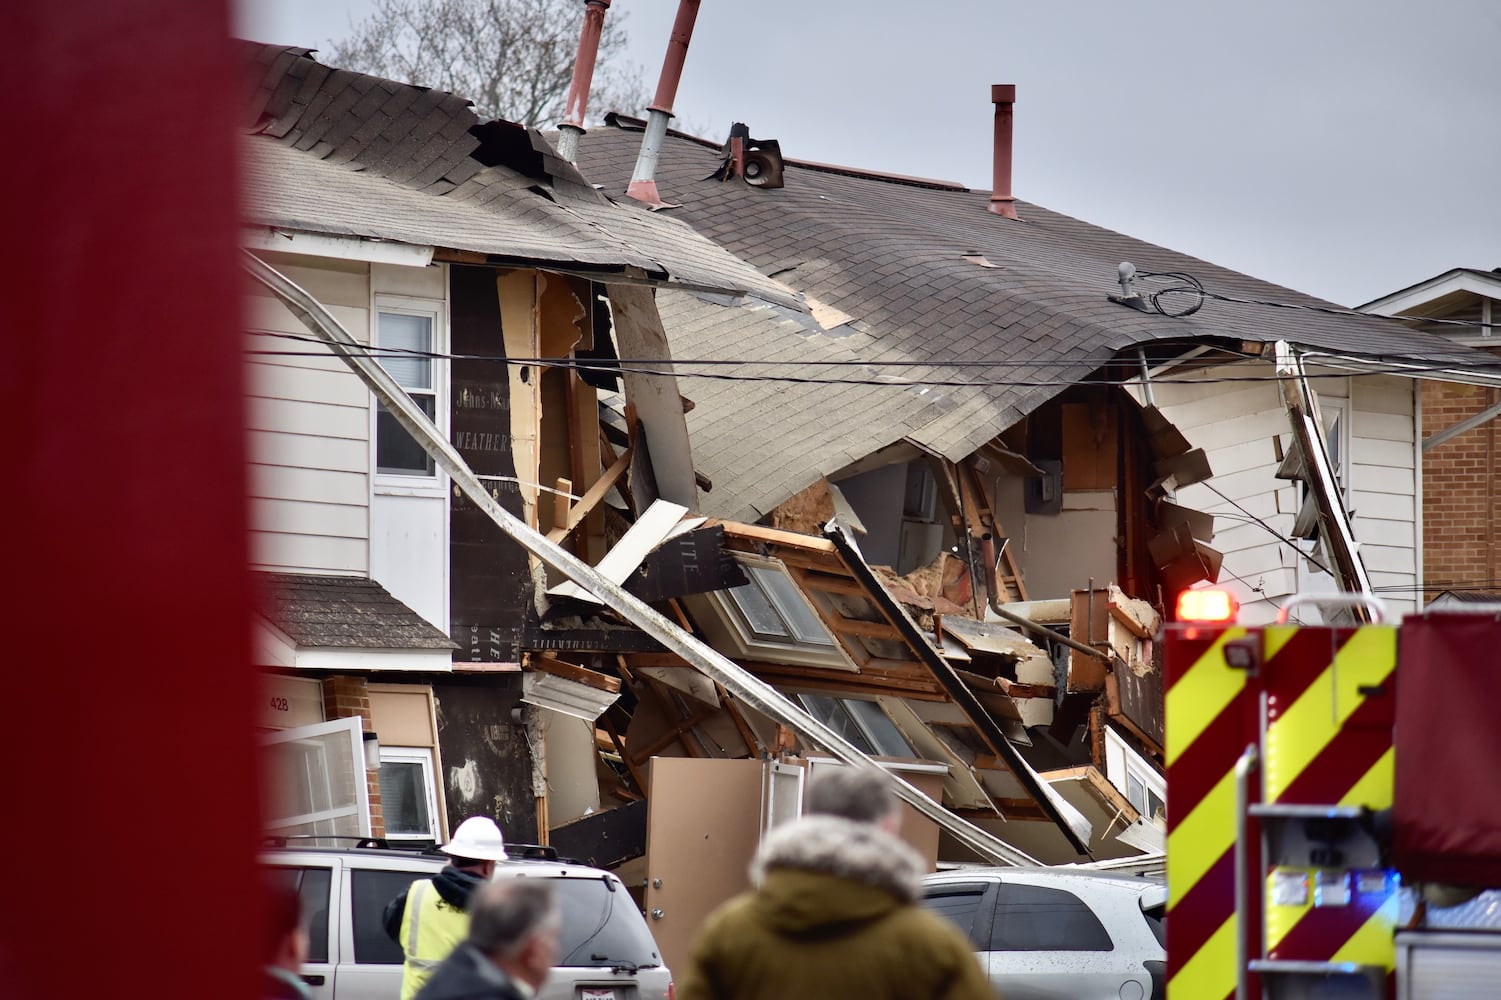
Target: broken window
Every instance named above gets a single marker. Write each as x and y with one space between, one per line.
774 611
863 723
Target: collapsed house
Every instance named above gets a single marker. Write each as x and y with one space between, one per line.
937 507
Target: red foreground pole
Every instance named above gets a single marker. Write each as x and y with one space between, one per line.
131 798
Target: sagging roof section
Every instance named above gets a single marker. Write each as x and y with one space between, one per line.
927 275
334 151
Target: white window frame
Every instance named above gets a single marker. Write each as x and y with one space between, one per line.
749 645
1122 763
436 311
424 757
354 727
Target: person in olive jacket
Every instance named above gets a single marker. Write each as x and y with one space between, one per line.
834 912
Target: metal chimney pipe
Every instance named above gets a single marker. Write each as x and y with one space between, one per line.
1003 96
572 125
643 181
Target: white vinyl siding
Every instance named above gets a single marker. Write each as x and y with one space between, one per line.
1382 486
309 420
1235 424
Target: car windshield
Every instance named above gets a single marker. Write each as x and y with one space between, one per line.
601 926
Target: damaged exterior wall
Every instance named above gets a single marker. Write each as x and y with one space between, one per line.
1241 427
487 759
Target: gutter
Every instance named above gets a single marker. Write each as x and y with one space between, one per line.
739 682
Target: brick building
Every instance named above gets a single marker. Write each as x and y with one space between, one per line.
1461 436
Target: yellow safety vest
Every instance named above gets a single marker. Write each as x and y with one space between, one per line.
430 929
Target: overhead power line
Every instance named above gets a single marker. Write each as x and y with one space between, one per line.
685 368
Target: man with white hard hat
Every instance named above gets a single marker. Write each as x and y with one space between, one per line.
431 918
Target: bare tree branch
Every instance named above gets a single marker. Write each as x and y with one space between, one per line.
512 58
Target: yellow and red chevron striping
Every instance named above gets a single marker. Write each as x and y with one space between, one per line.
1329 717
1207 712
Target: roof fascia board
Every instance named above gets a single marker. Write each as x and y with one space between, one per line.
384 660
337 247
1419 295
1401 369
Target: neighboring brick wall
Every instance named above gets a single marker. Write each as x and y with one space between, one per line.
347 697
1461 503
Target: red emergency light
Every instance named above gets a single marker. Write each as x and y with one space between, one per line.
1207 606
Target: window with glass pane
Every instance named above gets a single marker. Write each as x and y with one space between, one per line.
878 727
396 451
760 617
370 891
312 885
794 611
406 793
834 715
1037 918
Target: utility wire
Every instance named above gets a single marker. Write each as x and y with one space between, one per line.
1191 286
1271 530
1130 366
681 369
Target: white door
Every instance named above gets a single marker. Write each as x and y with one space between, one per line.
314 783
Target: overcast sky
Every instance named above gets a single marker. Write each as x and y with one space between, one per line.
1345 148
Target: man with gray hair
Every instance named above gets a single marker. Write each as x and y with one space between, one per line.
834 911
512 944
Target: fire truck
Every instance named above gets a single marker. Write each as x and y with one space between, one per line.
1330 789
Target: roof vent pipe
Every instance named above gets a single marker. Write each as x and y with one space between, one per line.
643 183
572 125
1003 96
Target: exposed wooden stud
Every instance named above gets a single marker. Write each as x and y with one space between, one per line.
680 731
810 561
591 498
752 745
580 675
560 499
625 758
776 536
680 614
854 626
814 580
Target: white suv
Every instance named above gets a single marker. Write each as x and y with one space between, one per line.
1051 934
606 951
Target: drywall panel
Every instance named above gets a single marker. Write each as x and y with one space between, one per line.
1064 552
571 765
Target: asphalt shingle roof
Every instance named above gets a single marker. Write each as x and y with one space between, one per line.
900 257
334 151
348 612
